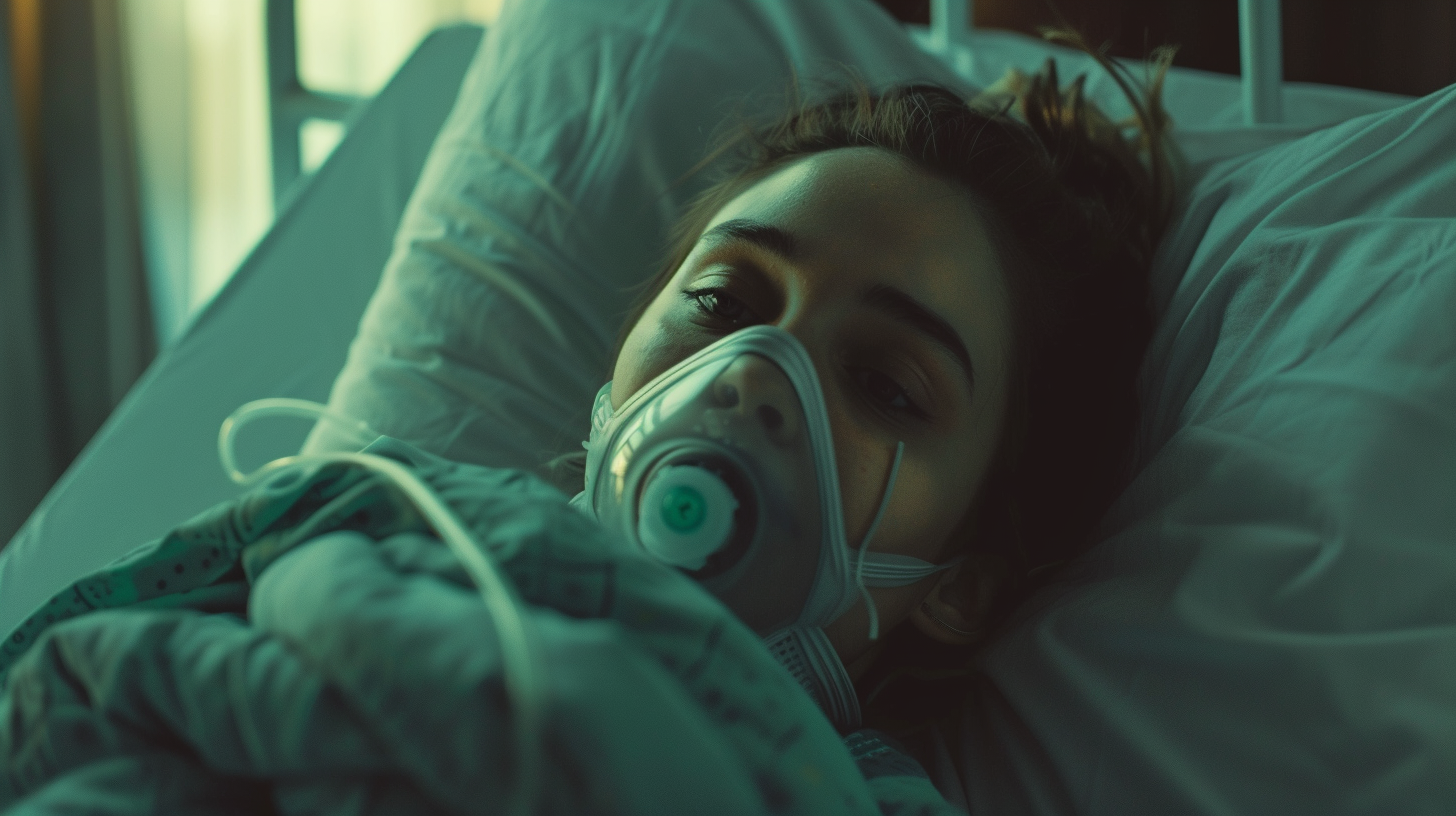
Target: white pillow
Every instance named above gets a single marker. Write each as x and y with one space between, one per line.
1269 625
548 196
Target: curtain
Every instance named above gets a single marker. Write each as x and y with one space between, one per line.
75 323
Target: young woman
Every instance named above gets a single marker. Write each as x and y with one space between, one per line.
969 280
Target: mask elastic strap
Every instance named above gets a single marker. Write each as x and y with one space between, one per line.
869 534
601 413
891 570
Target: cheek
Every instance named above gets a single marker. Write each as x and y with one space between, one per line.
914 522
649 350
931 494
925 509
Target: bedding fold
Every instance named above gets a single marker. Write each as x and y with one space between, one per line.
311 647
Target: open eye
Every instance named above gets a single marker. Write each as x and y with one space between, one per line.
884 392
719 305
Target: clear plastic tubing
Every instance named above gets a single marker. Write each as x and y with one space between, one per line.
520 665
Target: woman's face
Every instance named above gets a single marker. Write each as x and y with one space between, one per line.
888 278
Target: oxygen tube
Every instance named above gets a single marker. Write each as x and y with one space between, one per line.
864 545
520 664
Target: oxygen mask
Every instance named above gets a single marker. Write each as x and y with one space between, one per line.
724 467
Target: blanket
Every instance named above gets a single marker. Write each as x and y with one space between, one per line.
312 647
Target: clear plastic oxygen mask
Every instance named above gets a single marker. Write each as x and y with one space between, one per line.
724 467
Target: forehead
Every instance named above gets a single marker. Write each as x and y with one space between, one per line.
864 216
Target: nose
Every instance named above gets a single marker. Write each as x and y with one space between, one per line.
754 387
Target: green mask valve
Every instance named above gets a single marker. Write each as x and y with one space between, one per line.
684 508
687 515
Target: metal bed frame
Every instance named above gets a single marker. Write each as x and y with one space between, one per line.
290 103
1261 54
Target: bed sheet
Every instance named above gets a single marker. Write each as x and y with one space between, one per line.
354 669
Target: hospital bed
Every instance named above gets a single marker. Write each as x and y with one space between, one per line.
284 323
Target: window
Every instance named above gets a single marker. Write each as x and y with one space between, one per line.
198 72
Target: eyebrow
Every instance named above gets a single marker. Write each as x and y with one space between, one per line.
888 300
766 236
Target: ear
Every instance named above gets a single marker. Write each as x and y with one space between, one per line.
956 608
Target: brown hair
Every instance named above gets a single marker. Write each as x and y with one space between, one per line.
1076 205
